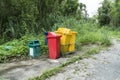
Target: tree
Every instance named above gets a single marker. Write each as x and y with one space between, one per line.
69 7
19 17
104 13
115 13
82 12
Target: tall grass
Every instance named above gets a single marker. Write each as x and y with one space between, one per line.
87 32
18 48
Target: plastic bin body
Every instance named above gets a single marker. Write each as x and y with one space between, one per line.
54 46
73 37
64 48
34 49
65 39
72 48
46 41
72 41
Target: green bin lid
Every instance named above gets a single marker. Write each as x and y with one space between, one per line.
34 43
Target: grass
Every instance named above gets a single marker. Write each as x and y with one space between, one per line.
18 48
48 74
92 52
3 79
87 33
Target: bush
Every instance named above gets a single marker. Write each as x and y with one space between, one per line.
87 32
18 48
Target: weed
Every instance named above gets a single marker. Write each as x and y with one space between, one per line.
3 79
68 79
92 52
18 48
87 32
48 74
94 58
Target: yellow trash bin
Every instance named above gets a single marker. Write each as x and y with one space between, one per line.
72 41
73 37
60 30
72 48
65 39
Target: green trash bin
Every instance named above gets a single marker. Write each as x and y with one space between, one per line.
34 49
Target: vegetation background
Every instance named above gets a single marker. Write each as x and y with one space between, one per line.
25 20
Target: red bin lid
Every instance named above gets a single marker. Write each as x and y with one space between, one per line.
53 35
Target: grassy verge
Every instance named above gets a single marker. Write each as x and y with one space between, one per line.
49 73
18 48
3 79
87 33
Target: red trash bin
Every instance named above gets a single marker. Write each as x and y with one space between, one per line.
51 33
53 45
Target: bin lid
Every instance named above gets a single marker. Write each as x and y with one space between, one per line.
58 32
53 35
34 43
60 29
73 32
67 31
46 33
64 31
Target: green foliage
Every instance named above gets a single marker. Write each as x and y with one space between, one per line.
3 79
108 13
114 32
104 13
48 74
115 13
82 12
87 32
92 52
69 7
105 37
20 17
18 48
17 18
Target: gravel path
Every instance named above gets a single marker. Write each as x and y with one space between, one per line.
103 66
24 70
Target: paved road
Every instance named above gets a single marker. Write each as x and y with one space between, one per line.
103 66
